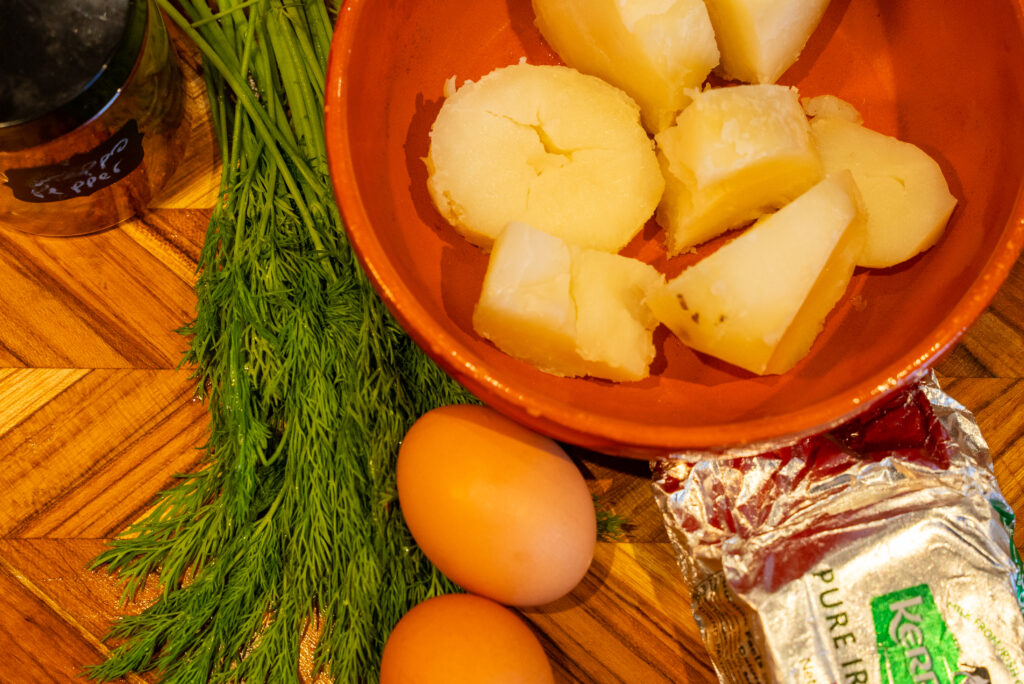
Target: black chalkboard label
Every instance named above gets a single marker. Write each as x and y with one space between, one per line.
84 173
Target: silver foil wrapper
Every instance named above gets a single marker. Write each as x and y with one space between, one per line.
880 551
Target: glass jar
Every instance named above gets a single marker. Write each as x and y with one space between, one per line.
91 113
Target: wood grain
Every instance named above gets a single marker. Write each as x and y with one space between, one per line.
56 601
91 459
96 418
90 302
994 345
628 621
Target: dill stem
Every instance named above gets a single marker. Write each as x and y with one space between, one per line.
216 16
321 30
298 29
296 88
263 129
310 386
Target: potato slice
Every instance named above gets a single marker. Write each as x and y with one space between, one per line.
732 155
547 145
613 325
568 311
759 301
906 198
760 39
832 106
653 49
525 305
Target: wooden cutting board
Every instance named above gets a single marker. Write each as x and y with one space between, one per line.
96 418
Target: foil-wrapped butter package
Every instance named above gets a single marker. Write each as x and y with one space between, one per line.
881 551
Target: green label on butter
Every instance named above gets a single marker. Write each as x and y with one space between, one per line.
914 642
1006 517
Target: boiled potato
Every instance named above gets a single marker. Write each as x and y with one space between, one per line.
653 49
613 325
760 39
906 198
525 305
830 105
555 306
732 155
759 301
547 145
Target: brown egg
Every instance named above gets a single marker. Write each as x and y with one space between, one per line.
500 510
463 639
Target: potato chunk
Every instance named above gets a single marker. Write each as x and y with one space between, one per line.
830 106
732 155
547 145
568 311
613 324
525 306
759 301
653 49
906 199
760 39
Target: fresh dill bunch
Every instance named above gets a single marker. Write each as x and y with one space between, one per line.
310 385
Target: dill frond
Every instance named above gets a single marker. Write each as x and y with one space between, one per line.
310 386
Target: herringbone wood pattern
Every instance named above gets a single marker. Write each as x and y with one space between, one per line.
96 418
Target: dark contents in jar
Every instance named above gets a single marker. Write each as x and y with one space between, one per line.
53 51
91 113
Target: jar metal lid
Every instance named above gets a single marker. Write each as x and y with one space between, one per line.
62 63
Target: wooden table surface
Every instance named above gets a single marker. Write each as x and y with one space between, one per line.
96 418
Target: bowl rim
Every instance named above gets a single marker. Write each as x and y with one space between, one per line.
606 433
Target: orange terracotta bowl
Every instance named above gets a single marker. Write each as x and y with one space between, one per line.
947 76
